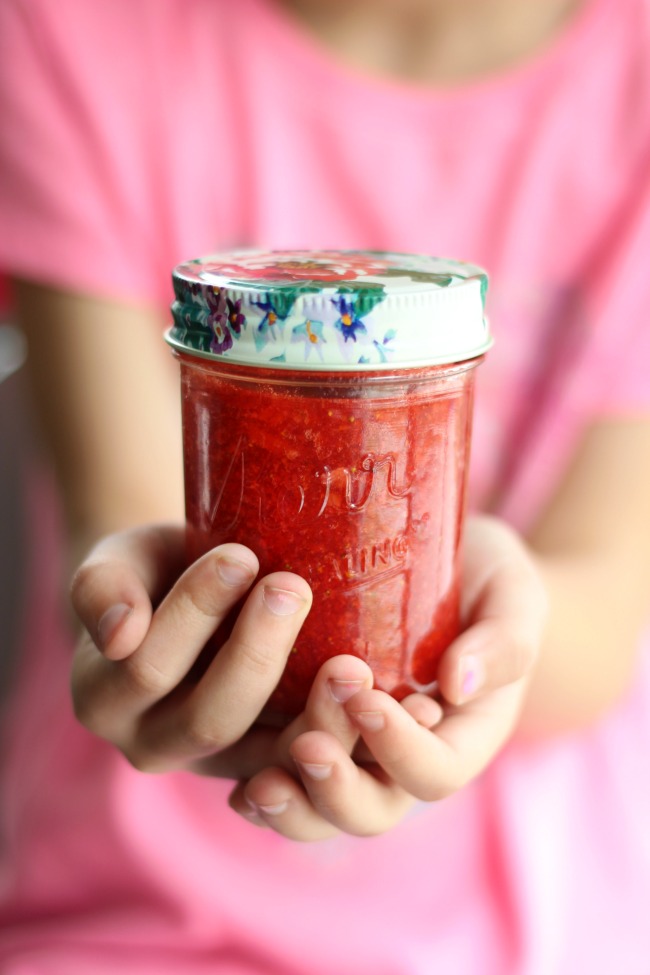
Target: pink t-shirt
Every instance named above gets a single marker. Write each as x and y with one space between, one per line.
138 133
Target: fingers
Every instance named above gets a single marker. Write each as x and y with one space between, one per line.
110 694
114 588
186 619
337 680
412 761
142 702
506 611
349 797
239 680
423 709
276 800
432 763
336 795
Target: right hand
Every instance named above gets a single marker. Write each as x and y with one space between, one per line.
146 623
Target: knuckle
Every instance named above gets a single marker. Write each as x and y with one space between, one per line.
142 759
144 679
395 758
199 601
198 735
84 703
257 656
82 583
85 713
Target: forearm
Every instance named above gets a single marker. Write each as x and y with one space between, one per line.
592 547
107 399
589 653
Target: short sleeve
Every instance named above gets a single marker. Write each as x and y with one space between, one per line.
74 197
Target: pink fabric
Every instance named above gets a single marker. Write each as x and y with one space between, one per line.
137 133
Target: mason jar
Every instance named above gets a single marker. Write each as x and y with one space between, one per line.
327 411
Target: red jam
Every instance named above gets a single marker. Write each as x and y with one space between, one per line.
355 483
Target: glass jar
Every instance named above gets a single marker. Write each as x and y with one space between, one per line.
327 407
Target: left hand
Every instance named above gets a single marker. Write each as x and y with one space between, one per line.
419 749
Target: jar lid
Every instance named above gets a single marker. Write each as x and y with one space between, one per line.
329 310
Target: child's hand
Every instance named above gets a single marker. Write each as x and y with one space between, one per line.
416 750
132 678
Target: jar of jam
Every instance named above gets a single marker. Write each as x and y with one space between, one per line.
327 410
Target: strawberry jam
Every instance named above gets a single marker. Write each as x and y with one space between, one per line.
360 490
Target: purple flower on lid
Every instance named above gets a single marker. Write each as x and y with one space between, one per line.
236 319
349 322
218 321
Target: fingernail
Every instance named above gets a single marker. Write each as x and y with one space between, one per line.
282 602
233 572
369 720
111 621
274 810
471 675
343 690
252 814
313 771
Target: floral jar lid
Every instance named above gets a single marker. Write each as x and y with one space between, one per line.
329 310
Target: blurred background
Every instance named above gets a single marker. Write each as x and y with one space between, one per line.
16 448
